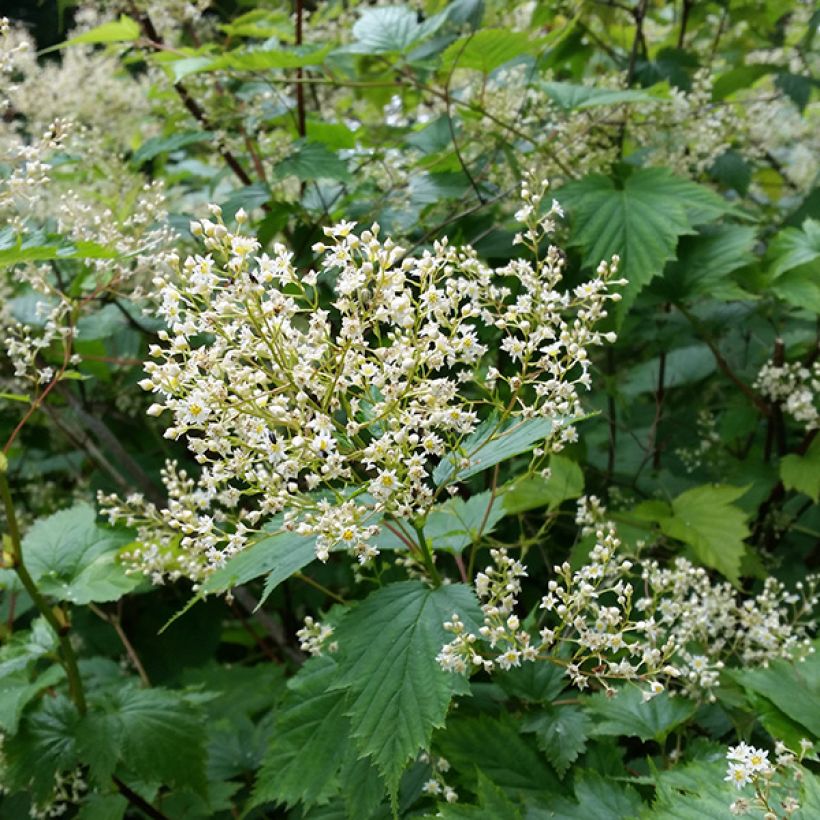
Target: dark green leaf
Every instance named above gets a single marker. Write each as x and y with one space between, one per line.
627 713
561 733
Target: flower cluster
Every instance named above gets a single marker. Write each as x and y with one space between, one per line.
682 630
337 417
795 387
436 786
314 636
774 782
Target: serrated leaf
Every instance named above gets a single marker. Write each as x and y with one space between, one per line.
17 690
389 29
490 444
505 757
627 713
73 559
792 248
457 523
570 96
156 733
598 799
684 365
493 804
309 741
312 161
561 733
487 49
566 480
533 682
802 473
387 663
264 59
640 220
103 807
705 519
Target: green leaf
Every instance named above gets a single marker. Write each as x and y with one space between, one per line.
264 60
570 96
309 742
802 473
487 49
792 248
103 807
533 682
566 480
124 30
494 747
493 804
387 662
389 29
490 444
154 732
790 687
684 365
165 145
17 690
278 555
25 252
598 799
706 260
311 161
73 559
799 287
705 518
627 713
561 733
457 523
640 220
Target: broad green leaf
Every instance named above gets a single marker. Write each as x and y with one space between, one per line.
705 519
684 365
73 559
802 473
640 219
598 799
390 29
311 161
387 663
533 682
790 688
705 261
493 804
695 791
569 96
799 287
103 807
627 713
792 248
457 523
264 60
124 30
25 252
487 49
310 740
566 480
506 757
156 733
164 145
278 556
17 690
489 445
561 733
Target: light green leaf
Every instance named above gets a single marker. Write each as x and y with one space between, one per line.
25 252
310 740
457 523
489 445
640 219
565 481
487 49
561 733
124 30
802 473
792 248
569 96
17 690
264 60
390 29
627 713
705 518
73 559
799 287
387 662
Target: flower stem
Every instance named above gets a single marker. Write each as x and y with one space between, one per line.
54 617
427 555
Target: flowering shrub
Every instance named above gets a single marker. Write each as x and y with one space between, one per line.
350 468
